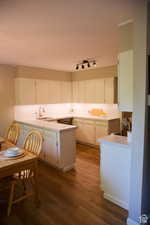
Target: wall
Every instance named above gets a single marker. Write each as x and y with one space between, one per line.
139 110
40 73
110 71
28 112
125 36
82 109
7 74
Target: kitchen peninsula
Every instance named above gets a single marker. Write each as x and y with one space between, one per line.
115 169
59 148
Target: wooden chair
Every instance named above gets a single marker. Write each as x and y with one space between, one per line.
13 133
33 143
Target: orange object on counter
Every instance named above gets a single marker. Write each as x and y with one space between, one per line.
97 112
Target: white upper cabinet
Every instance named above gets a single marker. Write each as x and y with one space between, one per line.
99 91
42 91
125 81
65 91
55 91
110 90
75 92
81 91
90 91
25 91
30 91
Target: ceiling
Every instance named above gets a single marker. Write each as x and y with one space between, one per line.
57 34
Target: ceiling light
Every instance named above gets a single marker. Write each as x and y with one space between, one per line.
94 63
86 64
77 67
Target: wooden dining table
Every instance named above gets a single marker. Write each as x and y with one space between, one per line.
10 166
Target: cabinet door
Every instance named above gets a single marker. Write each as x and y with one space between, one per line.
90 89
99 91
25 91
42 91
55 92
65 91
50 147
81 91
75 92
101 130
125 81
89 132
85 131
109 90
79 130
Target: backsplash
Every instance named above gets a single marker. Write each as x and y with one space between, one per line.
110 109
29 111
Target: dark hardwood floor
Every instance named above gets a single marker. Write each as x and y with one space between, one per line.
72 198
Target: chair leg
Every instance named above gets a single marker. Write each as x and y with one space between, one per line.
10 202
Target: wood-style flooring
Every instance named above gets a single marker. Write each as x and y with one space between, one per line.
72 198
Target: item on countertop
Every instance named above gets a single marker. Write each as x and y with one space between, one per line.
129 136
97 112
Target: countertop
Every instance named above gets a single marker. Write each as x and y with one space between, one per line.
114 140
82 116
53 125
47 125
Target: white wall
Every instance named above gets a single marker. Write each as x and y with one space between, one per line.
27 112
139 111
7 74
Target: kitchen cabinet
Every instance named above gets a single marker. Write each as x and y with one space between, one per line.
58 148
50 150
65 91
43 88
30 91
99 91
74 91
55 92
90 95
125 81
81 91
101 129
25 91
110 92
115 170
89 130
85 132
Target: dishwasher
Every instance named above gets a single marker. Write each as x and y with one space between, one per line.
65 121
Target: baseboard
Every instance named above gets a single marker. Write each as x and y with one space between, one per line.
116 201
131 222
67 168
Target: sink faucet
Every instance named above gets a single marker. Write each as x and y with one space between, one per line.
41 111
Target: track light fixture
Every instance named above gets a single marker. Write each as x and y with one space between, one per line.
86 64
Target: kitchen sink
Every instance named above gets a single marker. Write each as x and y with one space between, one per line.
46 119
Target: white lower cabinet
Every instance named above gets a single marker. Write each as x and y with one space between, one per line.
58 146
88 131
101 130
50 151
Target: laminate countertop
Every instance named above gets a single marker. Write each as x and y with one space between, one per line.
52 125
114 140
82 116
